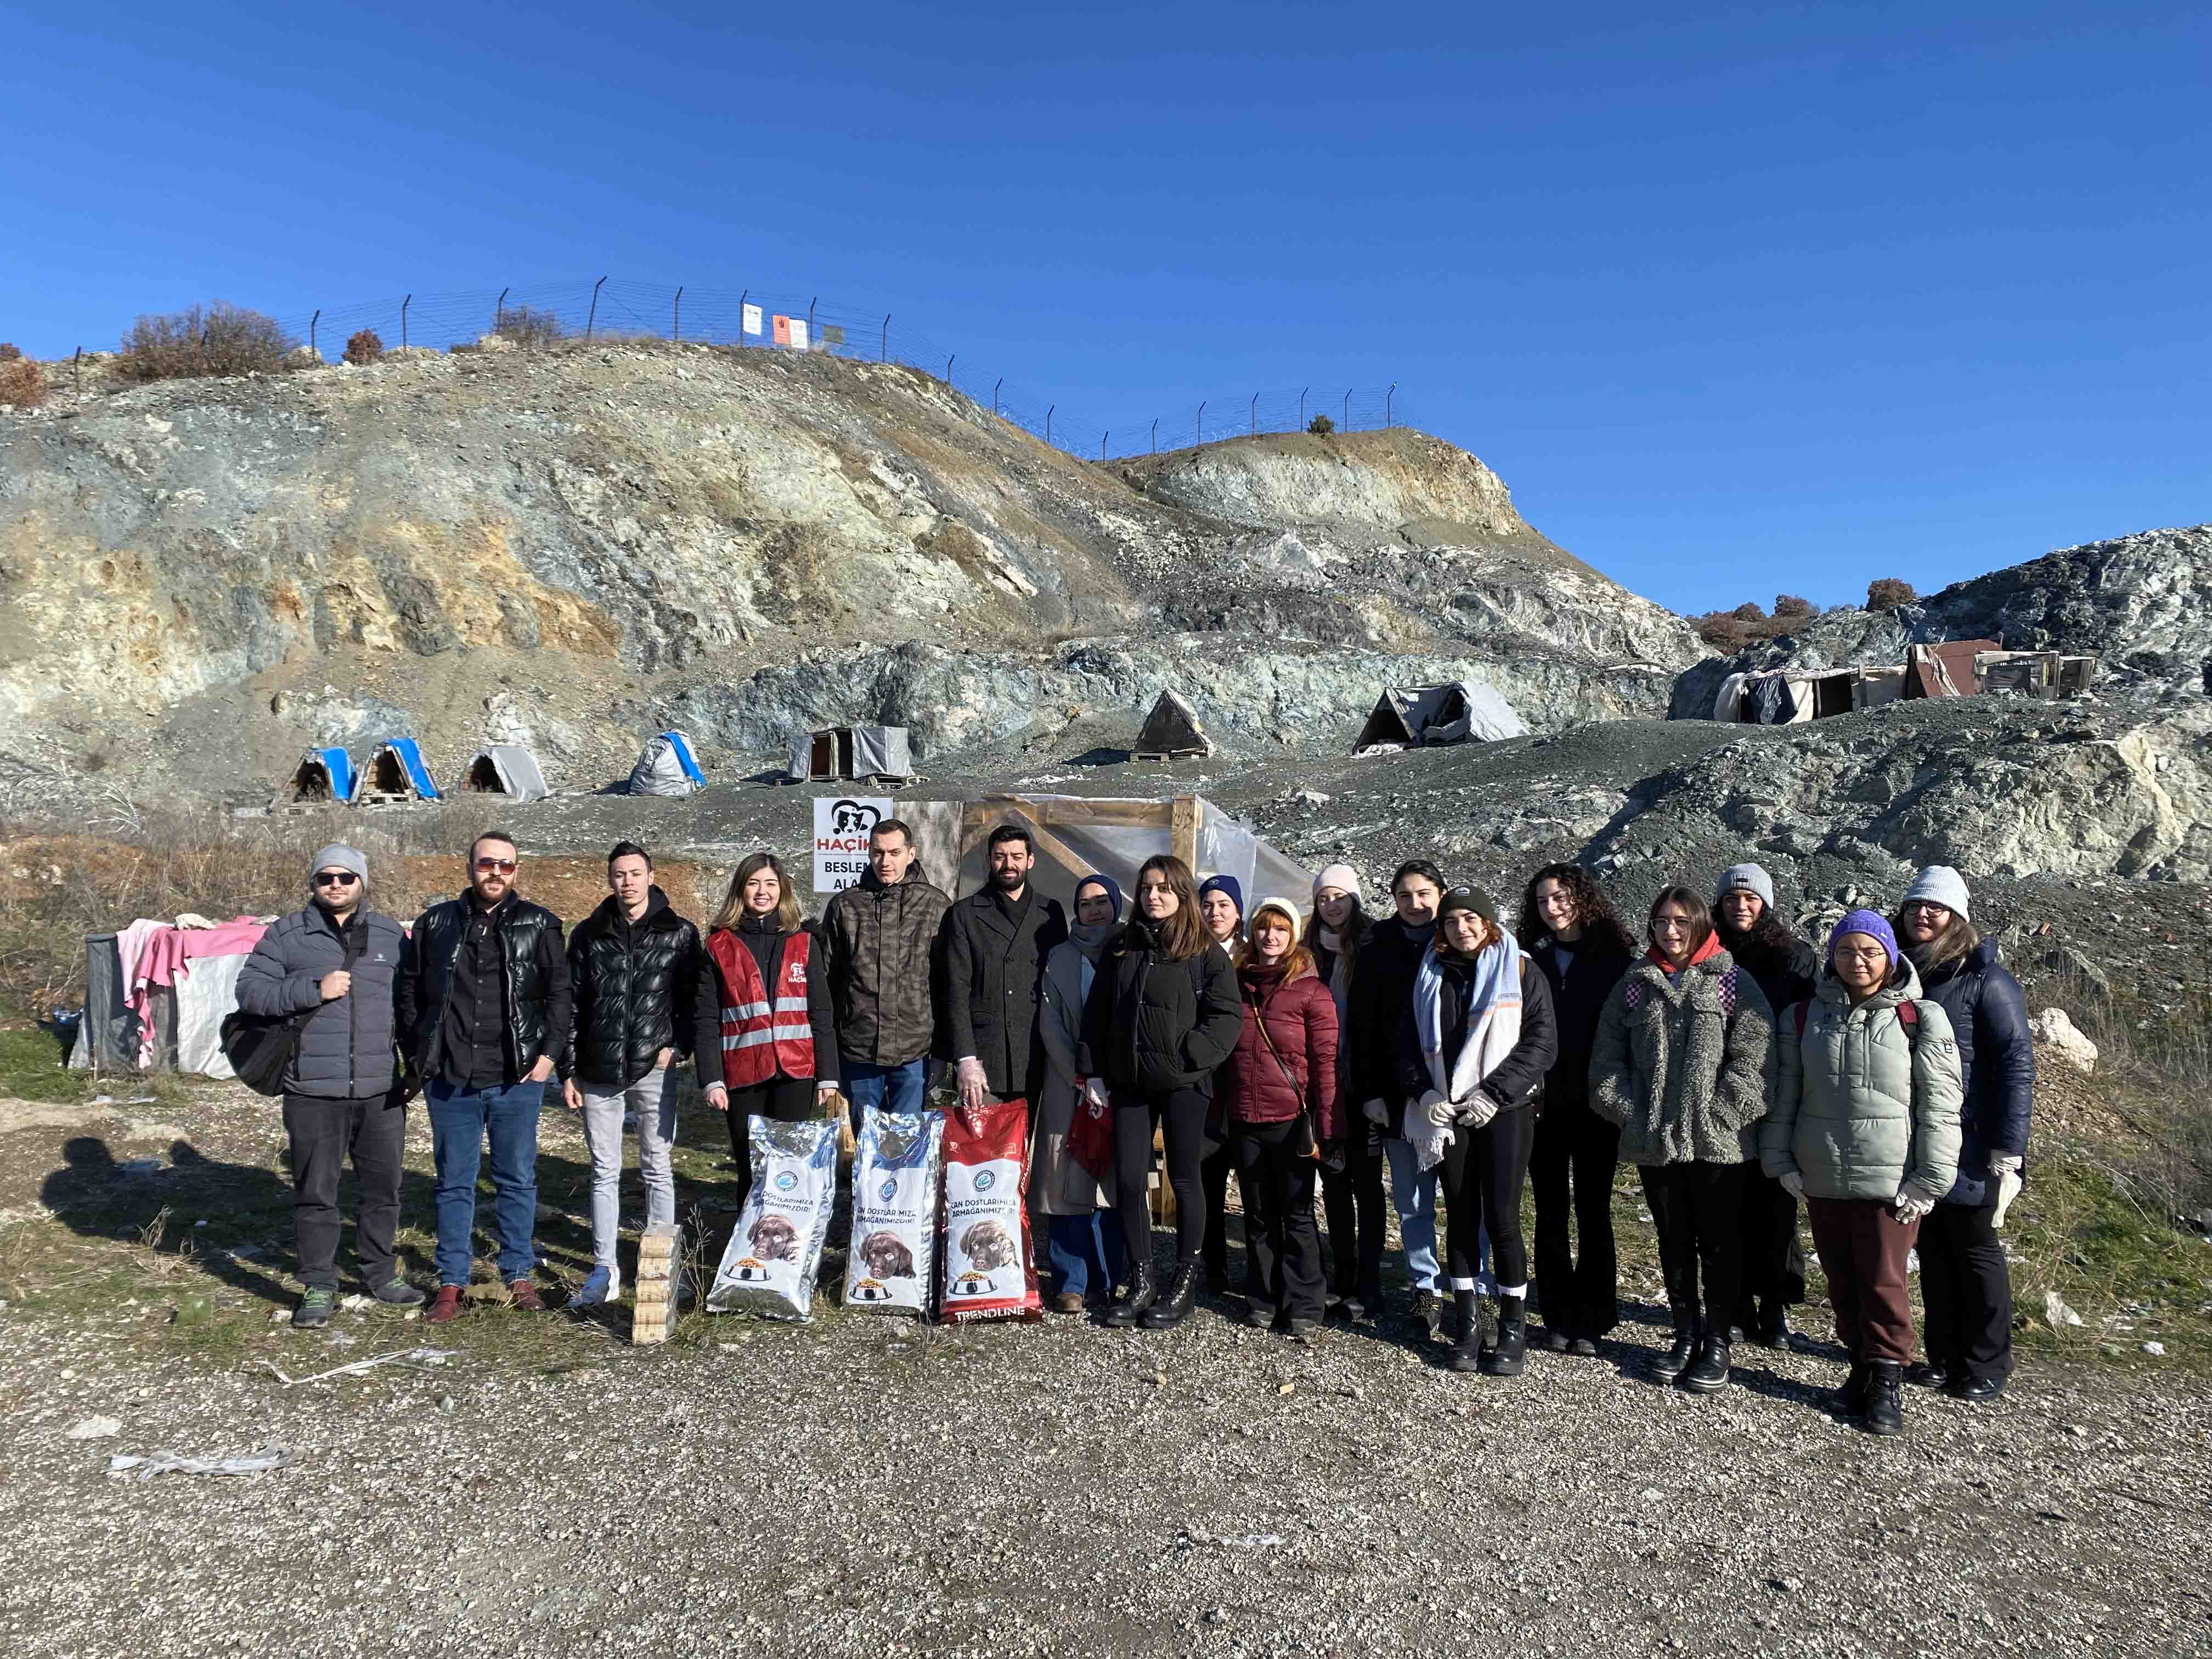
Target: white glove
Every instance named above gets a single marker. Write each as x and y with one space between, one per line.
1438 1110
1094 1091
2006 1169
1911 1206
1792 1183
1375 1112
973 1083
1477 1109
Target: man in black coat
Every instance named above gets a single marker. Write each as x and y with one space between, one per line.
995 944
645 995
483 1005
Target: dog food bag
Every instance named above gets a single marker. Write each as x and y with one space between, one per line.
776 1250
898 1168
990 1272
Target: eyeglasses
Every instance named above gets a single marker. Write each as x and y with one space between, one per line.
1927 907
505 866
1669 925
335 878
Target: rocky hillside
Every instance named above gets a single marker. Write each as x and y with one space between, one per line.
577 546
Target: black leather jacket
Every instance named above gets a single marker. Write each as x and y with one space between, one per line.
535 996
640 988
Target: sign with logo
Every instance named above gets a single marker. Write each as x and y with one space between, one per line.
842 826
753 319
799 333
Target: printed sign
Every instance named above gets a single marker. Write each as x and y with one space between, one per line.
752 320
841 839
782 326
799 334
832 335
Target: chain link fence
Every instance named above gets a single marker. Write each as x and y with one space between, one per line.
616 308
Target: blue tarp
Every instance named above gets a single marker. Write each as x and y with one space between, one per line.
411 758
683 745
339 765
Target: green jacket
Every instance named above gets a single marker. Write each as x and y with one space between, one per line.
1683 1063
1862 1109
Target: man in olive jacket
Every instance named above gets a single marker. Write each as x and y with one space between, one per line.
335 962
484 1005
995 944
882 940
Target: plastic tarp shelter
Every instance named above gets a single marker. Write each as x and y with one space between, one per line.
1076 835
503 768
1799 694
322 777
1944 671
665 767
395 773
1172 729
1426 716
164 1018
2045 674
851 751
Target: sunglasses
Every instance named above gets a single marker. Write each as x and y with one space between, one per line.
505 866
335 878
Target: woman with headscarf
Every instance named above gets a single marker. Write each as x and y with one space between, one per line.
1570 931
1336 931
1785 967
1475 1042
1162 1016
1964 1286
1221 905
1682 1061
1278 1095
1865 1130
1083 1236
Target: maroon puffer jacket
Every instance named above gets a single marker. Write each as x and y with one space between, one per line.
1301 1020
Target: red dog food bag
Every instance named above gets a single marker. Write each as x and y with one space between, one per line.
990 1271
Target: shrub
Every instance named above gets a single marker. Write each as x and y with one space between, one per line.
1320 425
527 327
1749 611
1788 605
363 346
22 382
215 339
1888 593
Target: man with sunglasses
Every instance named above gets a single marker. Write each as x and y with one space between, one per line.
484 1005
333 967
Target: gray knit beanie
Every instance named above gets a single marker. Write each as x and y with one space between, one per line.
1745 879
339 856
1939 884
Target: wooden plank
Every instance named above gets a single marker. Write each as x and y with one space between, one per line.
1182 831
1127 814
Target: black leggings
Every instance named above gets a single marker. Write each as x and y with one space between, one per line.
1484 1171
1181 1114
786 1099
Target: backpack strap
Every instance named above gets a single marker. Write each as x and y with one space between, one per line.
1908 1016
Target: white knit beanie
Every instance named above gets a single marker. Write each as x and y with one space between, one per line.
1745 879
1265 905
1939 884
1338 875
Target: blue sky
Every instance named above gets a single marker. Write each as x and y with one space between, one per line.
1736 300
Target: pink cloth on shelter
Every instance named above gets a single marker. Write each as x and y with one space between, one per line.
161 956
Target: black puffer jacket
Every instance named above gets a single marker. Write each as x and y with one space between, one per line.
640 988
885 970
535 995
1151 1026
1578 993
1382 975
1787 971
1996 1062
1516 1081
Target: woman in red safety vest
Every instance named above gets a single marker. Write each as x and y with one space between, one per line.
779 1036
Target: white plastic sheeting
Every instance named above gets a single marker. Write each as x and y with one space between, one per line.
1224 848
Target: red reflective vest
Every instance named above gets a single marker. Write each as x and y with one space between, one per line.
762 1034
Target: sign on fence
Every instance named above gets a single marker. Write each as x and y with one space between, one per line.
799 334
841 827
782 327
751 319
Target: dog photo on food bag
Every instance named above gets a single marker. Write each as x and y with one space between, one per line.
887 1258
774 1239
988 1247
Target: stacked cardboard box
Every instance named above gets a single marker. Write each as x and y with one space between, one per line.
660 1255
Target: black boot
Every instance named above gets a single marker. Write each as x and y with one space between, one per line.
1143 1290
1170 1310
1508 1355
1711 1374
1850 1398
1671 1365
1884 1405
1467 1346
1774 1323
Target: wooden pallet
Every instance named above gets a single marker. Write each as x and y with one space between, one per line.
1164 755
653 1298
386 800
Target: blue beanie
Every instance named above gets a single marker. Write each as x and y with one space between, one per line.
1228 884
1874 927
1113 891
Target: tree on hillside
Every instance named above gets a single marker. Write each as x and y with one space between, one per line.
214 339
1889 592
1788 605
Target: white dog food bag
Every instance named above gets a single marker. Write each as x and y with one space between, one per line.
772 1256
989 1270
897 1171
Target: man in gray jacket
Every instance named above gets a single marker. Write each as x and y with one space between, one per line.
335 962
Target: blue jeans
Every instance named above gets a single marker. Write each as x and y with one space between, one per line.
461 1120
886 1088
1079 1248
1414 1192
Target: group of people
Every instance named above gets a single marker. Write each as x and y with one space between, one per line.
1885 1084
